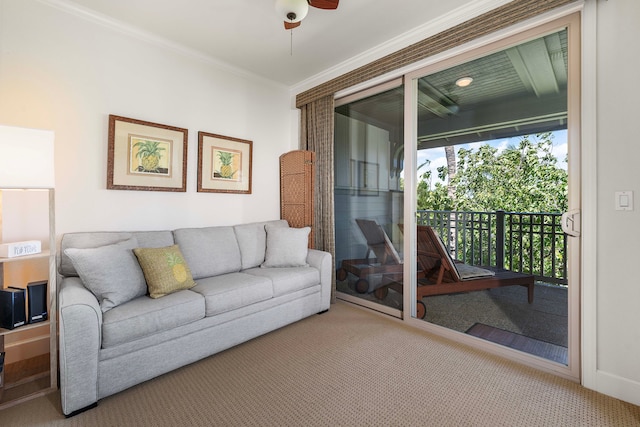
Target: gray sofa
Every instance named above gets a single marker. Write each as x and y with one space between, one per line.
250 279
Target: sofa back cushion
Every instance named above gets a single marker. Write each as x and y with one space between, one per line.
84 240
252 240
209 251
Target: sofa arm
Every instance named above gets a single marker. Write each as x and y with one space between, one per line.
80 341
322 261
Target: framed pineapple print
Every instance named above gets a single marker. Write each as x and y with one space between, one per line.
146 156
224 164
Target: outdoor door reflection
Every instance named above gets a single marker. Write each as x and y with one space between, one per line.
369 199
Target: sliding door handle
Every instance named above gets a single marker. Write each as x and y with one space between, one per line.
571 222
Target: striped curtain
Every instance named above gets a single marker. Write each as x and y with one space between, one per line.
316 135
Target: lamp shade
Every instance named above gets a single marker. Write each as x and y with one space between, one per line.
26 158
292 10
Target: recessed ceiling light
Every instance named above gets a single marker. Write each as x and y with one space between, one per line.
464 81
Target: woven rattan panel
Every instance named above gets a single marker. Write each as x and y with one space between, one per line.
499 18
296 189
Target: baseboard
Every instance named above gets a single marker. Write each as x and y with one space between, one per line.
618 387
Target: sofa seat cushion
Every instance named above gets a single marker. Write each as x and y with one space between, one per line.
145 316
289 279
231 291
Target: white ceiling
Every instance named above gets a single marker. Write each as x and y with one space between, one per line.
249 35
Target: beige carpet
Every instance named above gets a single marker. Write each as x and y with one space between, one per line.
347 367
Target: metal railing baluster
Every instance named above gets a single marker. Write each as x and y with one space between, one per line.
529 242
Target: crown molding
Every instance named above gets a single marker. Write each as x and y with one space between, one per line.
89 15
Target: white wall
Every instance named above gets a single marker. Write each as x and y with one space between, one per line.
63 72
618 232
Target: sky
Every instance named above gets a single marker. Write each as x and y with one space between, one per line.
437 157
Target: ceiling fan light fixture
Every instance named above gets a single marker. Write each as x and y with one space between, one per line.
464 81
292 10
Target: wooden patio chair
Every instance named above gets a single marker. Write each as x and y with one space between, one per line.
439 274
386 260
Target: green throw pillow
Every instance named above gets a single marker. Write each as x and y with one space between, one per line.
165 270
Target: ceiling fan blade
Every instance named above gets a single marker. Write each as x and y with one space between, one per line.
290 25
324 4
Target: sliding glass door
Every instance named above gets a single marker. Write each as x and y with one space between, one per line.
369 198
450 191
495 155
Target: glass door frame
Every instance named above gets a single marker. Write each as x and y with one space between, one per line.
572 23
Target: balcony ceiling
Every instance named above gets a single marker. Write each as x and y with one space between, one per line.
517 91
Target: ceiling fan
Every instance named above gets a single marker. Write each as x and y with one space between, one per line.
294 11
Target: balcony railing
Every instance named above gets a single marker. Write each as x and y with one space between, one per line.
531 243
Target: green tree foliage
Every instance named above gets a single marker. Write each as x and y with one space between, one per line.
523 178
435 196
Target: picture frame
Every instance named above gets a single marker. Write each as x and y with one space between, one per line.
146 156
224 164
